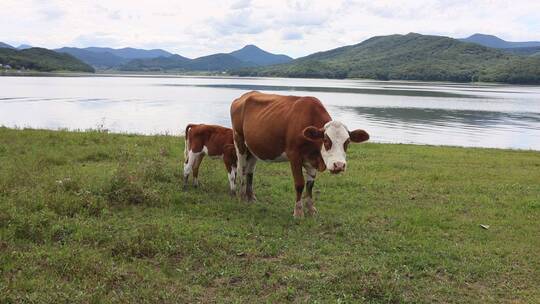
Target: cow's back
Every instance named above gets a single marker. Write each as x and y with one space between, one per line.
270 124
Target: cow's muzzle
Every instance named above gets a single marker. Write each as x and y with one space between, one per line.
338 167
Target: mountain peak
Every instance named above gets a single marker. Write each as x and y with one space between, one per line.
251 47
253 54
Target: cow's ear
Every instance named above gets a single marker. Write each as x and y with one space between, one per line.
312 133
358 135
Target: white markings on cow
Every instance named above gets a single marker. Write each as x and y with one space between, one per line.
191 159
232 179
310 173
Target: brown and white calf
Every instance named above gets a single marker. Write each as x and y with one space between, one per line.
211 140
289 128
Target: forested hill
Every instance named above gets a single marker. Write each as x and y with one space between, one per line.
409 57
40 59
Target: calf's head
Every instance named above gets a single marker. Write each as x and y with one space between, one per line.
333 139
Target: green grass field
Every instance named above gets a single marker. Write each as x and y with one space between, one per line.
95 217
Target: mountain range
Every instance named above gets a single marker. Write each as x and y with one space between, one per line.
106 58
131 59
248 56
409 57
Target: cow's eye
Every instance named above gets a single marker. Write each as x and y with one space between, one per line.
346 144
327 142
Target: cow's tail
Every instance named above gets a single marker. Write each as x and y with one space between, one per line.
186 145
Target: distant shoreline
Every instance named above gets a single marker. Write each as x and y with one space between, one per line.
181 135
222 76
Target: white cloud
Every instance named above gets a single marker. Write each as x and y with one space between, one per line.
293 27
241 4
292 35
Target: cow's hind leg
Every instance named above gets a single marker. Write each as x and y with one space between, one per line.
241 154
250 169
310 182
196 166
241 174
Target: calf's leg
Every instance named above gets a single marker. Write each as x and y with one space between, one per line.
196 166
231 174
188 166
232 181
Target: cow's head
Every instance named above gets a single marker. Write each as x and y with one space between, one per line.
335 138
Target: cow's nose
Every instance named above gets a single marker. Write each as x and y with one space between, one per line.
339 167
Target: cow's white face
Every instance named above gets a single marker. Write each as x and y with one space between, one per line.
335 140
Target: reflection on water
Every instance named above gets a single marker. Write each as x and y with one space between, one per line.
449 127
442 117
372 91
500 116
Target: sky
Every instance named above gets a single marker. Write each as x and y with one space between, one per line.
293 27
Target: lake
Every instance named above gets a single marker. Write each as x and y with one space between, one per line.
486 115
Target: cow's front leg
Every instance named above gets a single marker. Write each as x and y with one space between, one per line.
310 182
296 167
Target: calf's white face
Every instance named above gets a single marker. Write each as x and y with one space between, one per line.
335 138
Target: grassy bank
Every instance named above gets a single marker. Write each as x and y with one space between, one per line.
96 217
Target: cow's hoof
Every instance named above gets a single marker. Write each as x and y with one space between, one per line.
298 213
249 198
242 196
312 211
184 188
232 193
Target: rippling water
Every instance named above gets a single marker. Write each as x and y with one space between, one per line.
500 116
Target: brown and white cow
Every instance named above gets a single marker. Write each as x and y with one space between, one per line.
289 128
211 140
